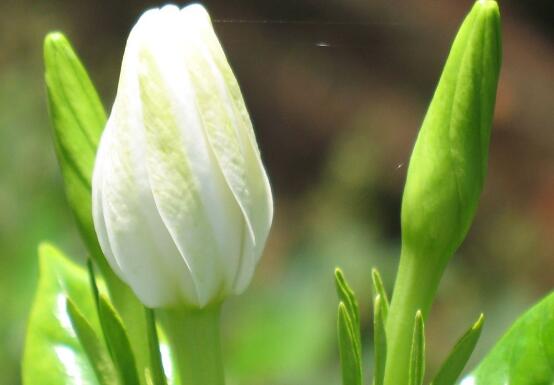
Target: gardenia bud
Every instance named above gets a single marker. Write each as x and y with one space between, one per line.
181 202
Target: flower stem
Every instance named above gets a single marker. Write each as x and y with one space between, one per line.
414 290
193 336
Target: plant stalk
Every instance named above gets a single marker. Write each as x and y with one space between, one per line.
194 338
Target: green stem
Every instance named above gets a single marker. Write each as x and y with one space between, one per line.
414 290
193 336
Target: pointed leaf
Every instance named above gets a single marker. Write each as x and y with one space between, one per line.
379 289
417 354
456 361
53 353
78 119
379 340
118 342
349 354
346 295
525 354
156 366
93 346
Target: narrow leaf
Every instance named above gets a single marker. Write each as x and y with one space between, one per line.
417 354
156 367
456 361
349 354
118 342
94 348
347 297
379 289
379 340
78 119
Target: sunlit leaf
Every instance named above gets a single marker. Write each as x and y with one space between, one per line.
524 355
93 346
53 354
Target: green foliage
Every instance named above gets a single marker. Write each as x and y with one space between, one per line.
78 119
379 290
156 367
347 297
458 357
379 340
524 355
417 354
53 353
118 342
350 358
93 346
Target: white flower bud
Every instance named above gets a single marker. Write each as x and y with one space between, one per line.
181 202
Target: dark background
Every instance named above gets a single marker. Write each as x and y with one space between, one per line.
336 90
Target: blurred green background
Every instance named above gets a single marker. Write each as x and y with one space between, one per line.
337 90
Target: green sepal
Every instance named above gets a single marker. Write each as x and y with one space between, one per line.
460 354
53 353
350 357
347 297
417 352
379 341
524 355
117 340
93 346
379 289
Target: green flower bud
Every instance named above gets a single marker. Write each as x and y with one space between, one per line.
446 174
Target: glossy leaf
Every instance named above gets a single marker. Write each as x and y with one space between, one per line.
118 342
350 358
379 289
524 355
347 297
93 346
417 354
457 359
379 341
53 354
78 119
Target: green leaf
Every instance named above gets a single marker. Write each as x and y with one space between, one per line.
118 342
53 354
456 361
93 346
347 297
156 367
525 354
417 354
350 358
379 289
379 340
78 119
